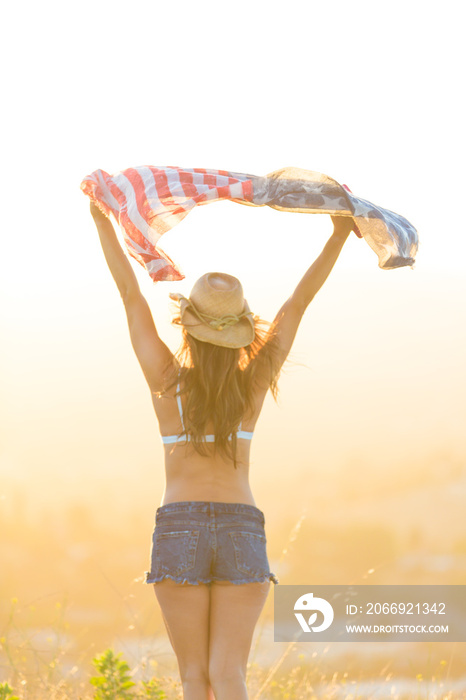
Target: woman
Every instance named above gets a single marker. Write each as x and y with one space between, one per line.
209 563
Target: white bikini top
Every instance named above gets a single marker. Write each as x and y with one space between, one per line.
166 439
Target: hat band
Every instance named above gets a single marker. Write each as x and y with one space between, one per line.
218 323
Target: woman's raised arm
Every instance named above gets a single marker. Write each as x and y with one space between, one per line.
151 351
320 269
289 316
119 265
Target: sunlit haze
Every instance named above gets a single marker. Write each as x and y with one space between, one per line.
371 405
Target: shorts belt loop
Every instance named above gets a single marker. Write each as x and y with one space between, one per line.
211 509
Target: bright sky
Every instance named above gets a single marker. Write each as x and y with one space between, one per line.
368 93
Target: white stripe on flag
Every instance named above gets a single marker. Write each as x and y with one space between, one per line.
108 196
122 182
156 264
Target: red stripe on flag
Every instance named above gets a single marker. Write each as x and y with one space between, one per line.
224 192
210 180
189 188
248 190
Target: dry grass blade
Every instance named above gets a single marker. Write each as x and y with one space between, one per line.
273 670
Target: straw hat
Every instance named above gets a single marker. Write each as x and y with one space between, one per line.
216 311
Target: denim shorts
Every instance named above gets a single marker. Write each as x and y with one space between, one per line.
204 541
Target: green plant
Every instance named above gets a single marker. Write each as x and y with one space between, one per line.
6 692
153 691
114 682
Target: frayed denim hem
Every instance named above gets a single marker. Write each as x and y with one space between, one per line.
150 578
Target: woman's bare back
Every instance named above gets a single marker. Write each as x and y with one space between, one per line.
193 477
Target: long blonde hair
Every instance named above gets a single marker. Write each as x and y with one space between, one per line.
219 383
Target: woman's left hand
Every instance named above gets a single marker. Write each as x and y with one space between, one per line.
342 225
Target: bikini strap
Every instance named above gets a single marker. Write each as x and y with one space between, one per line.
178 398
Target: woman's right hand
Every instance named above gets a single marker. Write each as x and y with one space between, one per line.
96 212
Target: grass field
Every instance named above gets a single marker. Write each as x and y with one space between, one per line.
66 597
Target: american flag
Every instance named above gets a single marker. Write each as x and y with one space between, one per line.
148 201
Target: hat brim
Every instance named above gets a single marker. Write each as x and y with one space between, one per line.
236 336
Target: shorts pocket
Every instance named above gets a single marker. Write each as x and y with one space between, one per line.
175 551
250 552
